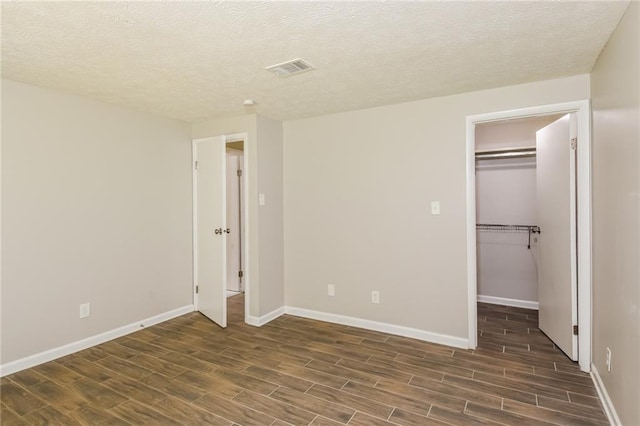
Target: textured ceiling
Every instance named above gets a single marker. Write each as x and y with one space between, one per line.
196 60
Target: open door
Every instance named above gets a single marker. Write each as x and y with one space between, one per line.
210 228
556 214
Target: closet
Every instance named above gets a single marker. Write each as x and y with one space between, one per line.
507 231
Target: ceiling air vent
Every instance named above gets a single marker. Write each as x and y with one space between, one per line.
289 68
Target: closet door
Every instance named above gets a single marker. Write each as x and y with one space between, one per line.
211 229
556 212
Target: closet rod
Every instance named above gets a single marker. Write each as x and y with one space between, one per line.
506 153
531 229
495 227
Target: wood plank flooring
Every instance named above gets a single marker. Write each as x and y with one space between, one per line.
303 372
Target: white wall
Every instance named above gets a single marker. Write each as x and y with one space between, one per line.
356 211
270 183
506 191
96 207
516 133
506 194
616 215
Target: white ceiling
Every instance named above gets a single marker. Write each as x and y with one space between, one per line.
196 60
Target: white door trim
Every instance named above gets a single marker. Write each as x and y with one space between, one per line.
245 199
583 113
194 219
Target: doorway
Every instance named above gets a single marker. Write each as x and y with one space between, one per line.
234 219
581 110
220 226
506 213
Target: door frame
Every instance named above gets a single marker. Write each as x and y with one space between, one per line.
246 210
244 222
236 166
583 205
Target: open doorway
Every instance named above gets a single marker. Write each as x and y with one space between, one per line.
527 256
515 315
235 223
220 231
506 221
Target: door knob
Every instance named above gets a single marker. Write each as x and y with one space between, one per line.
227 231
218 231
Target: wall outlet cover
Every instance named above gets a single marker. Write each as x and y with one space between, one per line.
435 207
85 310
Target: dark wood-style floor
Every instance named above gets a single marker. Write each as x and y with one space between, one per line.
301 372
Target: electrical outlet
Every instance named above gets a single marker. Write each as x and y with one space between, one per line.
85 310
375 296
435 207
608 361
331 290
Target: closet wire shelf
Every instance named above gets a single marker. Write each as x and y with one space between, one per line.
531 229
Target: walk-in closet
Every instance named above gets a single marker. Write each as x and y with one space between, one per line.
507 227
516 193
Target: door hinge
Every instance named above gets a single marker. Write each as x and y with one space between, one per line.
240 274
197 289
239 173
574 143
575 330
195 165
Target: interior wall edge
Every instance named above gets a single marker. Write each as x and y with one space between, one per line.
266 318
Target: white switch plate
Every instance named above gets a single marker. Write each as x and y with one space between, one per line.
85 310
331 290
375 296
261 199
435 207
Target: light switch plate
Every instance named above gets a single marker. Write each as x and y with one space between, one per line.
261 199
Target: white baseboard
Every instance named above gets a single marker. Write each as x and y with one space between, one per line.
607 404
55 353
399 330
260 321
528 304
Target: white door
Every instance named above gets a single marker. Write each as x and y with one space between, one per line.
556 213
233 221
210 228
